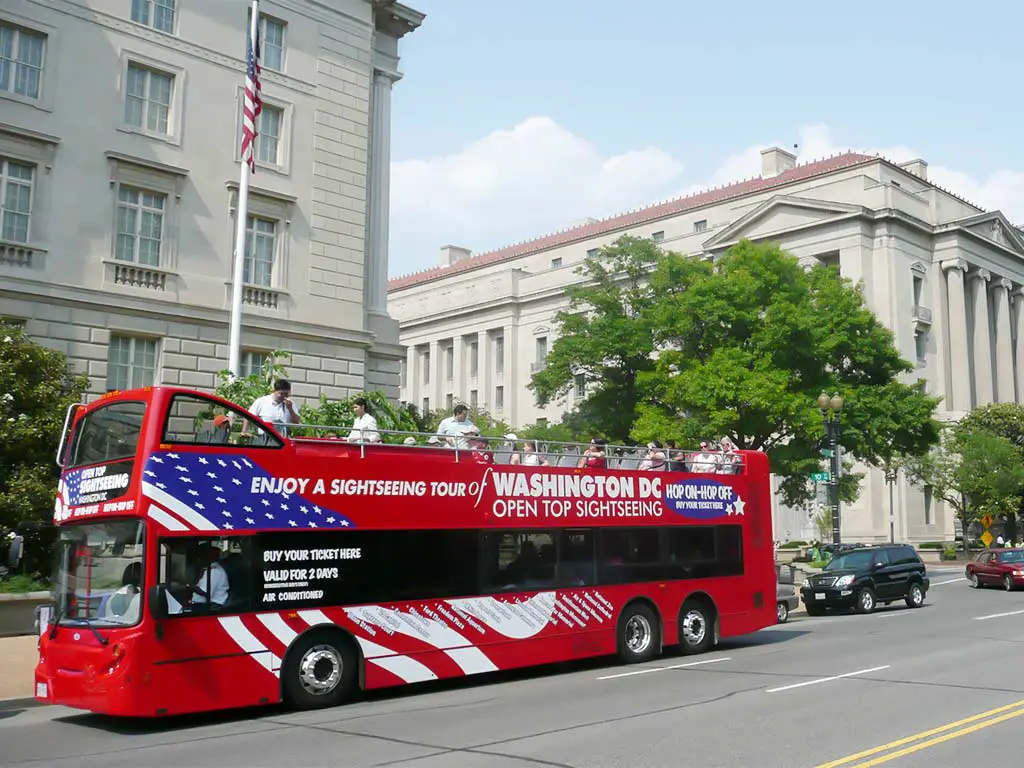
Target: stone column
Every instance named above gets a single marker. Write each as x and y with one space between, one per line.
432 389
459 388
959 364
983 385
484 370
1018 315
412 375
1004 343
378 193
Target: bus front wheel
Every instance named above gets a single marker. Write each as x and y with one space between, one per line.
320 670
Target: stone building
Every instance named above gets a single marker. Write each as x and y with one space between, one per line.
946 276
119 166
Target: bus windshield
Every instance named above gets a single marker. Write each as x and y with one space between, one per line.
98 572
110 433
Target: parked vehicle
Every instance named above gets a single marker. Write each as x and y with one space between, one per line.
864 577
786 600
997 567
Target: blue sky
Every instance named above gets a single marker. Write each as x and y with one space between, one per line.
513 123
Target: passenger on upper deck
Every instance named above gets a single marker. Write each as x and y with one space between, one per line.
275 408
594 457
530 457
453 430
705 461
364 428
655 461
478 445
730 461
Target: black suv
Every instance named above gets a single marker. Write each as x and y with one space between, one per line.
862 578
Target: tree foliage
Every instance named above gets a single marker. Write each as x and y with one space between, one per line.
681 348
1001 419
606 337
974 472
38 389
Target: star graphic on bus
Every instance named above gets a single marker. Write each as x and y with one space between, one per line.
181 495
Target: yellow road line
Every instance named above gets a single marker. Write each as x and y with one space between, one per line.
958 724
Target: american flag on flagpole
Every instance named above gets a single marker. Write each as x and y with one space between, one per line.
253 101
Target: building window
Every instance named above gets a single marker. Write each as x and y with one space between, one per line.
700 226
158 14
268 142
449 363
131 362
592 253
252 363
542 422
271 41
148 96
499 398
542 351
658 237
21 61
556 263
499 355
918 290
928 505
15 200
140 226
921 346
426 405
474 398
579 386
474 359
449 401
260 247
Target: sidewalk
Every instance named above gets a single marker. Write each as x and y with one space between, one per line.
17 663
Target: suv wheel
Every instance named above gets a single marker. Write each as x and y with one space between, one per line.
915 596
865 600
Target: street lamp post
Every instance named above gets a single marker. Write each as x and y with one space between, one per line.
891 475
831 407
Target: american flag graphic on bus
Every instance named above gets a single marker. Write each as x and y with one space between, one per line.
212 492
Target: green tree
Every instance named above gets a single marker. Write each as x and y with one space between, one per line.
245 390
1001 419
975 473
340 415
747 344
38 389
605 337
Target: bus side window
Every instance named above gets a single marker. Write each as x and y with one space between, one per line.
518 560
576 558
628 555
198 420
206 575
703 552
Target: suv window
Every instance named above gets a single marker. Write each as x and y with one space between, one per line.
904 556
882 556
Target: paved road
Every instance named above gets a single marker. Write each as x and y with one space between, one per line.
814 692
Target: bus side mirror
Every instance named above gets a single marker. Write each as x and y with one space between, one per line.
158 602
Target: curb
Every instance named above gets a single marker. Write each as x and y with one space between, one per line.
25 702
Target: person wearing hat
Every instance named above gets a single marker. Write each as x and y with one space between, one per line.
478 446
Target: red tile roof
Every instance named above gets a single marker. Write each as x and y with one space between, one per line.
633 218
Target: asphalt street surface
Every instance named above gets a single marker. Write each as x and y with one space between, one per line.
942 685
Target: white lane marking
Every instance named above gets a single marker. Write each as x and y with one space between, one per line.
663 669
826 679
998 615
950 581
890 614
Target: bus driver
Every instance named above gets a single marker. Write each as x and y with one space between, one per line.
212 586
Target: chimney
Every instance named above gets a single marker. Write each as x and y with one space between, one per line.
453 254
776 160
917 167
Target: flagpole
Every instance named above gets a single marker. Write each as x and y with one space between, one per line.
235 335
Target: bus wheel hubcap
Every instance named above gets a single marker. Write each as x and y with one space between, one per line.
694 628
320 669
638 634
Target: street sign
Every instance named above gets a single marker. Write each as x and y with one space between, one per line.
986 538
828 453
986 521
821 477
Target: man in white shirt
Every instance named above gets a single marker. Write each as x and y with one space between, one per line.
275 408
453 430
213 581
364 428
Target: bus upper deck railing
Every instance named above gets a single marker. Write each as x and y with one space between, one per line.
555 453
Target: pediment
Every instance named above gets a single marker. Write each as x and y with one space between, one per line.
995 228
782 213
541 329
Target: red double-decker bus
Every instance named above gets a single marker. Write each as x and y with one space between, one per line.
200 569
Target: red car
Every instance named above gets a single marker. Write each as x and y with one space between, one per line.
1003 567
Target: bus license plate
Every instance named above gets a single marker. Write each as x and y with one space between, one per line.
819 595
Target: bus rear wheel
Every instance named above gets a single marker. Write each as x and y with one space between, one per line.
696 626
638 639
320 670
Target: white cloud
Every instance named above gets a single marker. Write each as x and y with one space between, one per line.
538 177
